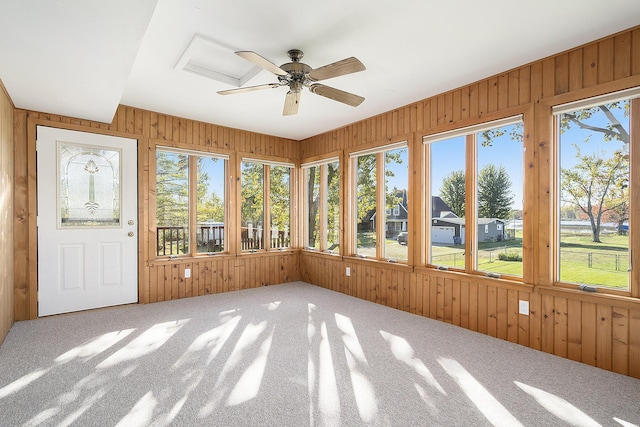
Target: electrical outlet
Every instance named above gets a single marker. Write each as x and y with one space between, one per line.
187 273
348 271
523 307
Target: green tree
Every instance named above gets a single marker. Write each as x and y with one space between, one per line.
172 189
280 193
333 205
589 184
366 185
599 186
252 193
313 202
211 208
494 192
452 192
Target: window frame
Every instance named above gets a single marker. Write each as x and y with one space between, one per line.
323 165
352 218
471 196
633 96
192 199
266 209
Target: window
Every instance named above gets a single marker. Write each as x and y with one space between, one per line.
312 207
594 197
447 180
499 199
381 179
492 239
280 212
190 202
322 205
254 209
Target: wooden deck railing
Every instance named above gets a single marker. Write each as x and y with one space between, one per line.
174 240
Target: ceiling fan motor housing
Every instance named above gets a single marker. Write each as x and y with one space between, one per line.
298 75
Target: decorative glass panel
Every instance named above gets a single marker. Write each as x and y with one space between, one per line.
89 186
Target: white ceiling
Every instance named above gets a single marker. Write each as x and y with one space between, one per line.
81 58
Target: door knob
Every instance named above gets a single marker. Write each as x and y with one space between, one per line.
130 234
130 222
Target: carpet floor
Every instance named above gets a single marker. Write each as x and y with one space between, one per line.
290 355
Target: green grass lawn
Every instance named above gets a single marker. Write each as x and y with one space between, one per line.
601 264
581 260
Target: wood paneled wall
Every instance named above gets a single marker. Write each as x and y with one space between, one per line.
6 213
597 329
159 280
600 330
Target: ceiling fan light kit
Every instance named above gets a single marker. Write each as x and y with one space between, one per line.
296 75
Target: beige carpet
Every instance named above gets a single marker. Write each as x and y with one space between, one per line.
290 355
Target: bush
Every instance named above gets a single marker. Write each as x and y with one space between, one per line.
511 256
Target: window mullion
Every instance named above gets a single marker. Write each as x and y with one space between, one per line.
266 208
193 200
381 205
471 208
634 198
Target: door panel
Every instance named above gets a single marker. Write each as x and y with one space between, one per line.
87 216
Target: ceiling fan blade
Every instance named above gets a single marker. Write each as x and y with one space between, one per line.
336 94
248 89
262 62
291 103
340 68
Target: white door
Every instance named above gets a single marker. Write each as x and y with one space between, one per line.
87 221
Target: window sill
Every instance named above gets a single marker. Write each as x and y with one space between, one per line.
183 259
398 265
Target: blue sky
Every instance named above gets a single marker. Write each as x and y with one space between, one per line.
449 155
589 141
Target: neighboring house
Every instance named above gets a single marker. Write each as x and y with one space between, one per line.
397 217
447 230
446 226
452 230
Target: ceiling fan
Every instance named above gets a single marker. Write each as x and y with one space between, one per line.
297 75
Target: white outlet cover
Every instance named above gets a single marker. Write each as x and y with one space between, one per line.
348 271
523 307
187 272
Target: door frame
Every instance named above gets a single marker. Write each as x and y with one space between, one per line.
26 258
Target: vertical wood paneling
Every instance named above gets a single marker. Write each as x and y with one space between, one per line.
560 327
634 343
620 340
588 326
6 214
217 275
592 332
574 327
603 336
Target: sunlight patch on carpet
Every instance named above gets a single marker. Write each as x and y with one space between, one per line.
559 407
493 410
